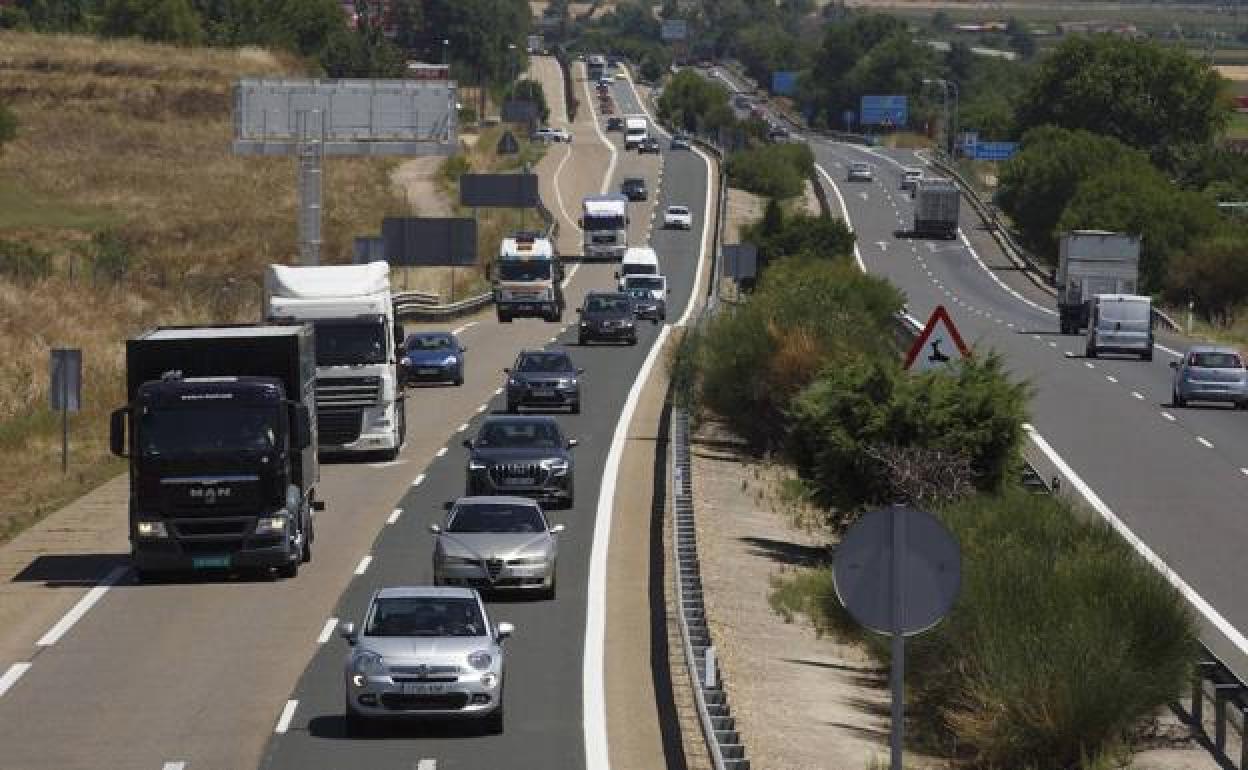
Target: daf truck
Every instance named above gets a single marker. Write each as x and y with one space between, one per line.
604 224
359 397
1093 262
220 431
936 208
528 279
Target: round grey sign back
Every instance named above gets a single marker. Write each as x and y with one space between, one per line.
930 570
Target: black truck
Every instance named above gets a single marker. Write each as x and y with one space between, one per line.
220 429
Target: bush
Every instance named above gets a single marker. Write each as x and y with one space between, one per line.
110 256
22 262
532 91
8 125
779 234
774 170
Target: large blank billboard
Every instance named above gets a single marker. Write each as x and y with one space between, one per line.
517 191
426 242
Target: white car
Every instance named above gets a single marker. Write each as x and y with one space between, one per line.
678 217
860 172
552 135
910 178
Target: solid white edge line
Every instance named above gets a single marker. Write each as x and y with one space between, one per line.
427 764
362 567
499 391
465 327
288 714
1168 416
173 766
1203 607
84 604
602 137
327 630
1205 442
418 480
11 676
482 408
394 515
462 428
706 236
844 215
442 452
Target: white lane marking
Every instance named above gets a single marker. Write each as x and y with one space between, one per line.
84 605
1241 470
288 713
441 452
1137 395
1204 442
427 764
362 567
465 327
1168 416
12 675
1036 337
327 630
844 215
1111 379
498 391
1165 349
1052 344
1011 325
418 480
462 428
1196 600
394 515
387 464
706 245
593 672
1089 364
179 765
482 408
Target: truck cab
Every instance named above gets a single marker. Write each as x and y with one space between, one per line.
1121 323
636 131
604 224
528 279
1093 262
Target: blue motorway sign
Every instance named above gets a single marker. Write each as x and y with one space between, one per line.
784 83
995 150
884 111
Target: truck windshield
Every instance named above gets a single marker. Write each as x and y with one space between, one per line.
635 269
1126 311
186 430
350 343
644 282
524 271
596 222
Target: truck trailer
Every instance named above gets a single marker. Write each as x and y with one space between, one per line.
220 430
1093 262
936 207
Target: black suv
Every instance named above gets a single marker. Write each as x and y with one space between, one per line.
522 455
634 189
649 144
607 316
543 378
615 124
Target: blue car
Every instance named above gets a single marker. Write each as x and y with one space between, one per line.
433 357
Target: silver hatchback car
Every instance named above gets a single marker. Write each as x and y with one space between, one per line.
425 651
1209 373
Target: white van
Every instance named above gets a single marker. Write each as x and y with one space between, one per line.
636 131
1121 323
638 260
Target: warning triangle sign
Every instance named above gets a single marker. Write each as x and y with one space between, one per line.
939 345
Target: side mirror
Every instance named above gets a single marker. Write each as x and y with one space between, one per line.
669 291
468 443
557 529
347 631
463 349
504 630
572 442
300 427
448 505
435 529
617 275
580 222
117 432
399 335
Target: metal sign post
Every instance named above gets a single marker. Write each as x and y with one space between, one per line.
65 392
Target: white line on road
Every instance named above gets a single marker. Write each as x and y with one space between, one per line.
1244 471
482 408
442 452
462 428
327 630
179 765
465 327
1052 344
418 480
1111 379
1165 349
1205 442
844 215
394 515
1089 364
12 675
1168 416
288 713
427 764
84 604
1138 395
498 391
362 567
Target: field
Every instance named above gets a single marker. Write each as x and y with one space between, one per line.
121 208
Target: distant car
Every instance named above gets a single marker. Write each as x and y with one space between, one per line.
910 178
1209 373
678 217
741 101
634 188
432 357
543 378
615 124
605 81
649 144
552 135
497 543
777 133
424 651
679 142
860 172
524 455
607 316
649 295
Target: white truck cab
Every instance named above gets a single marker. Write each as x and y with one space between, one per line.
636 131
604 224
528 278
638 260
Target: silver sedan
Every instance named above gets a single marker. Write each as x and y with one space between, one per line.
497 543
425 652
1209 373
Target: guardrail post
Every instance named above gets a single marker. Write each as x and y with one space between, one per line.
1221 693
709 674
1203 670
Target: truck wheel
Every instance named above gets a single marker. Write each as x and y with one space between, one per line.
504 318
1147 355
1177 400
288 570
307 541
1091 351
1065 326
353 723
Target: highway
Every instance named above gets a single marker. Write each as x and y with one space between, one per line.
237 673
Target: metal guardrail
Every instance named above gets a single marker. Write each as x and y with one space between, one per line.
719 726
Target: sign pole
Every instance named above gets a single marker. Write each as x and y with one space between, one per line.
897 674
64 426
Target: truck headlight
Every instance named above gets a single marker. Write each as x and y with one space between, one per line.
271 525
555 465
405 361
449 361
153 529
480 660
476 465
369 663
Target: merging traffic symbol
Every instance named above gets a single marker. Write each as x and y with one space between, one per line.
938 345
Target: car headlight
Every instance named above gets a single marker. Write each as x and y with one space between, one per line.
369 663
271 525
555 464
480 660
450 361
405 361
513 382
584 324
626 324
153 529
476 465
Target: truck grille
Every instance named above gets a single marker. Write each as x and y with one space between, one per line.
338 425
342 392
494 568
211 528
518 474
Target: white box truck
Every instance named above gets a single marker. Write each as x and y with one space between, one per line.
1093 262
604 226
359 396
636 131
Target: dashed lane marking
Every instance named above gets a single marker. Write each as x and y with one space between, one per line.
327 630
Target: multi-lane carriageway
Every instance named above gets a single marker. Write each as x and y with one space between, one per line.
231 673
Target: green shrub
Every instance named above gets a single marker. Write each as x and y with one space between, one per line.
773 170
110 256
23 262
779 234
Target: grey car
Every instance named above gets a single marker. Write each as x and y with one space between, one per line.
524 455
497 544
1209 373
543 378
425 651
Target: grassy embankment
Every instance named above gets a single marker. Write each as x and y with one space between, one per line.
122 207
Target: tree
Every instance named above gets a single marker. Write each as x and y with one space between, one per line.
8 125
695 103
57 15
1020 38
1144 94
532 91
166 21
1213 273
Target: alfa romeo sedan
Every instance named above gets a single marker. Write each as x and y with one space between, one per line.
497 544
521 455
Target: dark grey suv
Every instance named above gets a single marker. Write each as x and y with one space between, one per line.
522 455
607 316
544 379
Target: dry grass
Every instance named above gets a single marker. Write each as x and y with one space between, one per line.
134 140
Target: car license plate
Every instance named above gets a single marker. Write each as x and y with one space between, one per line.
210 562
419 688
543 393
427 370
526 308
522 481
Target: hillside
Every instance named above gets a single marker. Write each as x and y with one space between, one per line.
121 207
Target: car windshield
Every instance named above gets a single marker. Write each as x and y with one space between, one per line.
350 343
634 184
1125 311
425 616
858 166
604 222
608 305
429 342
644 282
518 433
677 210
1215 360
184 430
523 270
496 517
544 362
